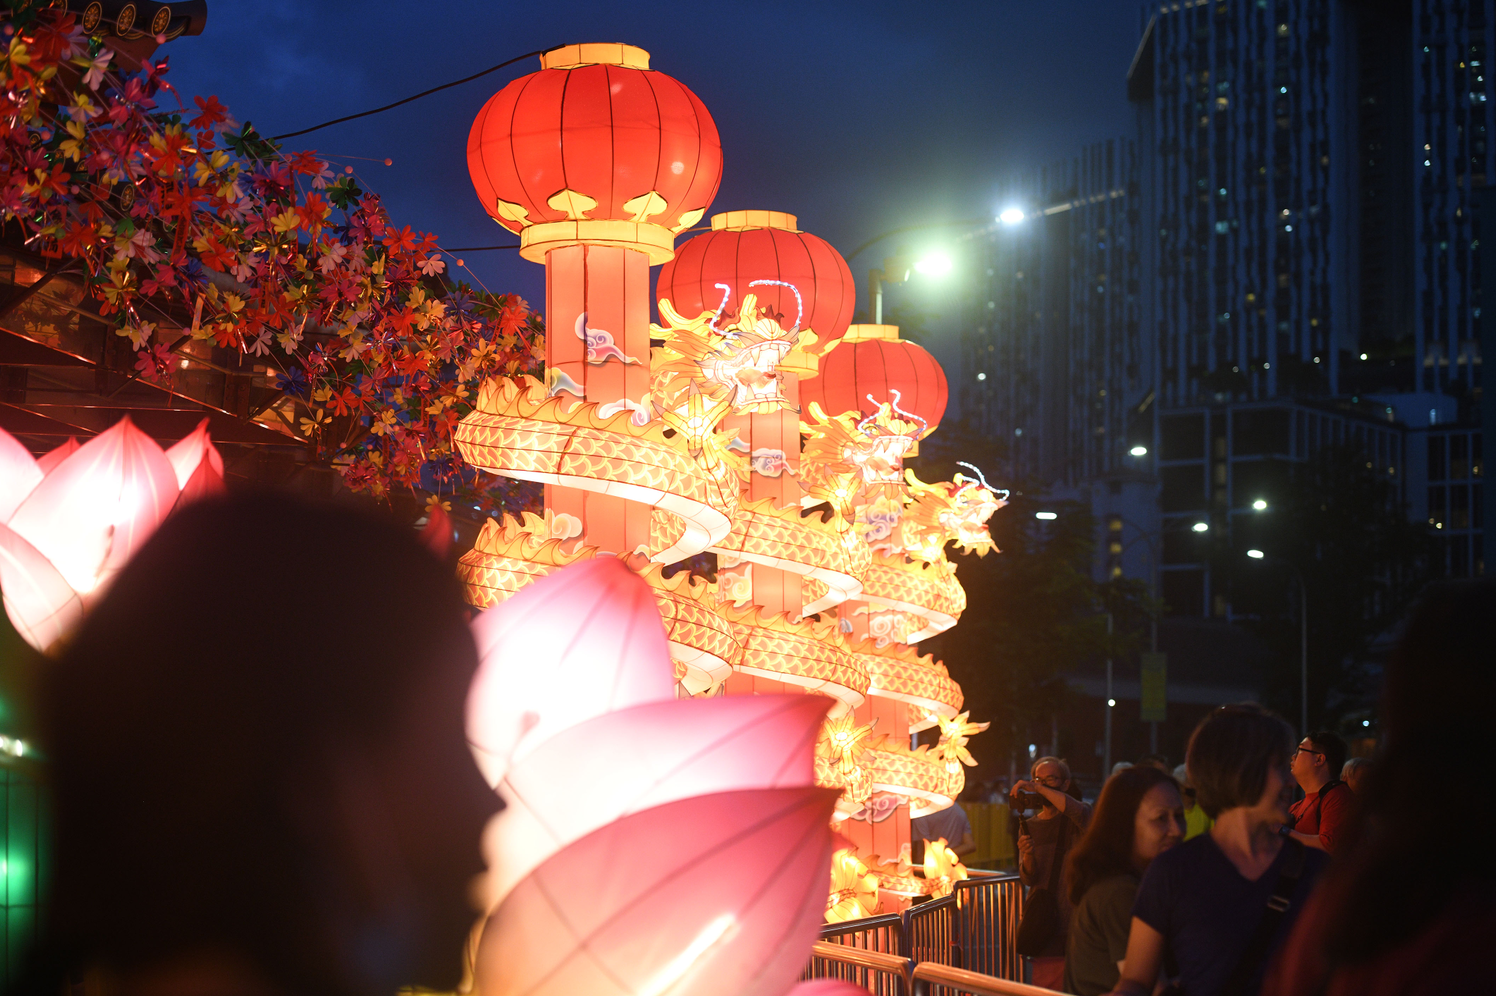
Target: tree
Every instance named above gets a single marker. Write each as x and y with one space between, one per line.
1033 612
1339 523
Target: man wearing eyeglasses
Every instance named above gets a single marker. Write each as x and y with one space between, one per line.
1316 819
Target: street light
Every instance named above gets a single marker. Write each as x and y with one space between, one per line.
1139 451
1256 554
1046 516
937 264
1259 505
1011 216
1201 527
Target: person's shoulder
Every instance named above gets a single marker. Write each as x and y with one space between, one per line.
1116 888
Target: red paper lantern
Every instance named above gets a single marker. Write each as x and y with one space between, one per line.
758 252
595 148
873 360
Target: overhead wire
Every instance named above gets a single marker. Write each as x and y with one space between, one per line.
424 93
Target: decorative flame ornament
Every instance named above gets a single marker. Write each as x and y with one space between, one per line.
854 889
943 869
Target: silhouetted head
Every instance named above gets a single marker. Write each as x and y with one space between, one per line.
1238 757
258 759
1390 879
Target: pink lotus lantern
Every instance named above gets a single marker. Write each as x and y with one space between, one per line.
716 894
72 518
581 642
650 845
655 754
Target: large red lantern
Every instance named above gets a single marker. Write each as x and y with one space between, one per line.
792 273
597 163
595 148
873 360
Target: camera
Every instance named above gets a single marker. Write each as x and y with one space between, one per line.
1028 800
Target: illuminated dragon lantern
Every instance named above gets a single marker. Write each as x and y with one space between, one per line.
738 364
954 511
657 443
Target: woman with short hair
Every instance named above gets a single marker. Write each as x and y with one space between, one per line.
1217 906
1139 816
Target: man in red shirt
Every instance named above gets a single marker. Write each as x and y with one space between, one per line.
1317 818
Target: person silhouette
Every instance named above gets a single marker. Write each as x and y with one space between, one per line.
258 766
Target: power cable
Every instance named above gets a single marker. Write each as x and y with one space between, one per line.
426 93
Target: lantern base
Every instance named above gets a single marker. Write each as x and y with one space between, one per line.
654 241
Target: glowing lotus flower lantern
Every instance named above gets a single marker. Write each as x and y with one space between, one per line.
648 846
70 521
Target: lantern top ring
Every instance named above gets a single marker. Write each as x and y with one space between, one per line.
595 54
537 240
737 221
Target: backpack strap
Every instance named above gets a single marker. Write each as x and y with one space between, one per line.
1257 947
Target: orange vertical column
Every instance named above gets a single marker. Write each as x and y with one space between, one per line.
597 320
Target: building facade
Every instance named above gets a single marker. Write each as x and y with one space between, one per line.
1289 257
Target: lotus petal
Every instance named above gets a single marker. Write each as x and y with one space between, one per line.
205 482
717 894
96 507
48 461
18 474
41 605
640 758
580 642
190 451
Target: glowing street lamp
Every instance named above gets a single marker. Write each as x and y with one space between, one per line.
1260 505
1011 216
937 264
1202 527
1139 451
1046 516
1256 554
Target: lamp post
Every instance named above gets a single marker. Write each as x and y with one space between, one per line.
1303 641
896 269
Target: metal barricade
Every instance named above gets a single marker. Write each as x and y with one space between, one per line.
934 932
930 979
974 929
990 907
884 934
878 973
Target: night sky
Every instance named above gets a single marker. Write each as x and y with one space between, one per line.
857 117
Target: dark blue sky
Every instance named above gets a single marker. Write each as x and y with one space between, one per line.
857 117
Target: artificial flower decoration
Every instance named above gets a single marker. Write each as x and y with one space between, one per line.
191 234
580 642
78 514
954 734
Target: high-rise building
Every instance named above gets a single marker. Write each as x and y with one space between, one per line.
1298 232
1054 361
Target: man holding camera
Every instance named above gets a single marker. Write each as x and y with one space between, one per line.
1043 841
1316 819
